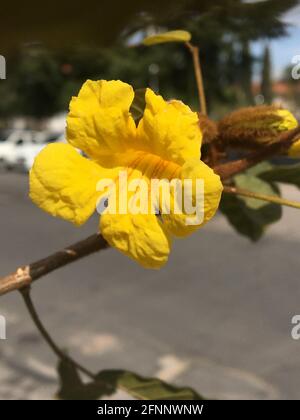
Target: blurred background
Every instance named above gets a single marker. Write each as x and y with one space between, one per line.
218 317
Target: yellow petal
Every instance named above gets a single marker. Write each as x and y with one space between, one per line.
99 122
138 236
184 224
170 36
169 129
63 183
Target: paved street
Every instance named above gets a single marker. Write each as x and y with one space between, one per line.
217 317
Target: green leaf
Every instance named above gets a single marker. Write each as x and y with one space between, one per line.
287 174
147 388
255 184
171 36
249 216
260 168
138 104
73 388
109 381
246 221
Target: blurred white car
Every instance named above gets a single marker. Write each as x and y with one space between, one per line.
21 147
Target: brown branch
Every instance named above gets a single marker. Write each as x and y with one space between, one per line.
24 276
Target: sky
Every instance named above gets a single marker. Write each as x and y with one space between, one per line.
283 49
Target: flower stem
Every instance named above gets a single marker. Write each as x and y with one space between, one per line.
198 74
263 197
25 292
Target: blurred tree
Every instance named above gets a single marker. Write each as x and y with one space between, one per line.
266 77
36 81
246 63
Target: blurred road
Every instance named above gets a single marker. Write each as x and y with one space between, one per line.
217 318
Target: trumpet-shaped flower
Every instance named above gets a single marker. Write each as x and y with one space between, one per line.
164 145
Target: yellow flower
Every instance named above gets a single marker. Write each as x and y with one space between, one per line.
165 145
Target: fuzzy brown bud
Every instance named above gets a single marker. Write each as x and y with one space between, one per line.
208 127
258 125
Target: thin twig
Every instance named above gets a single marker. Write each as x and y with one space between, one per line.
199 78
263 197
25 292
24 276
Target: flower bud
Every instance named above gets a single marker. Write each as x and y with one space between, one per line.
259 125
208 128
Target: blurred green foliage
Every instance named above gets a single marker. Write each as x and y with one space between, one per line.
53 48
